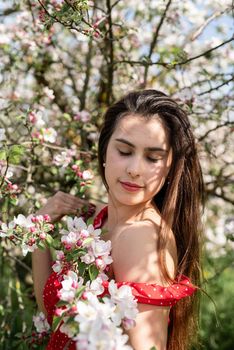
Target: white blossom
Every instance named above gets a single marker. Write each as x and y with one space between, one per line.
49 134
70 285
26 248
24 221
41 323
87 175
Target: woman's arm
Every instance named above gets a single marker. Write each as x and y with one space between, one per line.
151 328
135 259
56 207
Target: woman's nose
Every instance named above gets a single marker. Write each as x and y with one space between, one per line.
134 168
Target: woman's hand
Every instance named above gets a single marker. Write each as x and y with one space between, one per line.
62 204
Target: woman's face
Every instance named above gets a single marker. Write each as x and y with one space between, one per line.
138 154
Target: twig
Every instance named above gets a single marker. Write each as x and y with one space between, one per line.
31 11
217 87
115 3
200 30
21 263
110 68
222 196
205 52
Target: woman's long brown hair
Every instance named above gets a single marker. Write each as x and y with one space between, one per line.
179 201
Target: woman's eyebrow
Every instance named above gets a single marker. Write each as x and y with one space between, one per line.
147 148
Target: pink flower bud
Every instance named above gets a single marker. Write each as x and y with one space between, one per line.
32 229
58 311
46 217
42 235
60 255
84 296
74 167
75 285
40 218
32 118
79 174
99 263
67 246
34 219
31 241
74 309
79 243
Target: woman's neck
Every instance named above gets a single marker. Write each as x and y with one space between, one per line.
119 214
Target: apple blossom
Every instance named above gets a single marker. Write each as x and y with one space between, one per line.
49 93
70 284
87 175
83 116
41 323
49 134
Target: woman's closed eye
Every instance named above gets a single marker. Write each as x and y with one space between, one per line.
125 154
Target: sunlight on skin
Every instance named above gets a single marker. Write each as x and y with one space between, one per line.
147 168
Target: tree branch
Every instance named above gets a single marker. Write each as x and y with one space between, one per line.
168 64
222 196
201 138
66 25
155 39
87 75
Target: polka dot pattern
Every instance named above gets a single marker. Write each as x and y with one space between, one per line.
154 294
145 293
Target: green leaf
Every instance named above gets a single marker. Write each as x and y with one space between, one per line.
56 322
20 117
67 117
81 267
93 272
89 221
80 291
153 348
16 153
88 240
69 257
13 201
2 154
41 245
61 303
49 240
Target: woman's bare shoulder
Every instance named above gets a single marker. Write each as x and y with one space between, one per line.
135 253
170 246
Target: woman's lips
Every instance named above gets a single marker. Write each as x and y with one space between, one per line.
130 187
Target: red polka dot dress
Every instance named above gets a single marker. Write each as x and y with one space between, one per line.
145 293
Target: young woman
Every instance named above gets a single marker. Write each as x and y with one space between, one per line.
149 165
